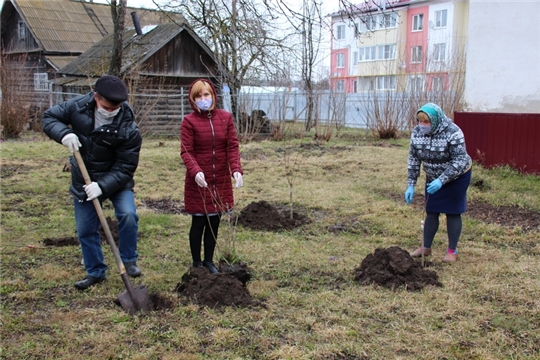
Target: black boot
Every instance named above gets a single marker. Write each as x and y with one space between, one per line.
197 264
87 282
132 269
211 267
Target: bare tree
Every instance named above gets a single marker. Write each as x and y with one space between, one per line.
118 14
242 36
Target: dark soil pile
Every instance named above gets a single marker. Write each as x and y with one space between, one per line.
262 215
392 268
216 290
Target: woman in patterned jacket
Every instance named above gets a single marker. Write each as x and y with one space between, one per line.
439 144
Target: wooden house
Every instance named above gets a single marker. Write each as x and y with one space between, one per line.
39 37
159 64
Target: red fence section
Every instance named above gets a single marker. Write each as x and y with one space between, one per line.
495 139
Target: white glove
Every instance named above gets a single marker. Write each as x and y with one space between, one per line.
238 178
199 179
72 142
93 191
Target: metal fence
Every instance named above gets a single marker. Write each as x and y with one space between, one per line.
495 139
161 113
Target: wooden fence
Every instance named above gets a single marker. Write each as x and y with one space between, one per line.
495 139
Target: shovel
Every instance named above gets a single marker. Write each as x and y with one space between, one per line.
132 299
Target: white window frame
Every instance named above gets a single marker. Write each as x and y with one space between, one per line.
41 82
416 55
437 84
340 32
355 86
417 83
387 82
368 53
418 22
387 52
374 22
340 85
439 52
355 58
441 17
380 52
340 61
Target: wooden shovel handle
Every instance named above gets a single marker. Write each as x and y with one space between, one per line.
100 214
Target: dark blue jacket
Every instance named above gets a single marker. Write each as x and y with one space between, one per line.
110 152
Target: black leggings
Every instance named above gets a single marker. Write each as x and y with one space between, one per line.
207 226
453 227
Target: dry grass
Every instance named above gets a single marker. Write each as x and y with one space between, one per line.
488 308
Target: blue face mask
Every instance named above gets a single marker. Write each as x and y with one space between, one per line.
425 129
204 104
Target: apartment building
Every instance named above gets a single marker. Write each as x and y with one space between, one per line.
486 50
400 45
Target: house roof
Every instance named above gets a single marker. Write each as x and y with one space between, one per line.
137 49
68 26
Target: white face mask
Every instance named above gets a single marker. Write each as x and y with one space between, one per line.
107 114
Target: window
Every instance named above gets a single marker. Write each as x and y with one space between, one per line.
437 84
41 82
439 52
340 32
381 52
355 58
355 86
416 84
340 85
388 21
22 30
340 60
416 54
440 18
356 30
379 22
387 52
418 22
386 82
368 53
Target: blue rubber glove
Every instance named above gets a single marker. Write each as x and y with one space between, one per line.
409 194
434 186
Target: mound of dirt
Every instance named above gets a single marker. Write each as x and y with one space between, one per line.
392 268
262 215
216 290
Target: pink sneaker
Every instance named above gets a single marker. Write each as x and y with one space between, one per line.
450 257
418 252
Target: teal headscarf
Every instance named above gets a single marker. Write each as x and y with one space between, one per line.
435 113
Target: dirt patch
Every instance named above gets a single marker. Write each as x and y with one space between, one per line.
165 206
394 268
507 216
262 215
59 242
217 290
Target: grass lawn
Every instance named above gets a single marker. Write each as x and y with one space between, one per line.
488 308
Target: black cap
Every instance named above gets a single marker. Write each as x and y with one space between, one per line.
111 88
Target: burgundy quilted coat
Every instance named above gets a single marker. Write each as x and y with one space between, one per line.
208 143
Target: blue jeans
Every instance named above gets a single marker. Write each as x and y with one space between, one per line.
88 225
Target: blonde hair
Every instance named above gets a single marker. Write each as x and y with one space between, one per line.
198 87
422 117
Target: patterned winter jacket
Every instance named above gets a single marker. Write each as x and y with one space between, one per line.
442 151
110 152
209 144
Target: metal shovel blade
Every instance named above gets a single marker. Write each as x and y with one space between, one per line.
139 302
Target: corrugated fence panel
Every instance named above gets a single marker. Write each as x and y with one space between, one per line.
502 139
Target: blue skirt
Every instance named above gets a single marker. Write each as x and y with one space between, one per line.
451 198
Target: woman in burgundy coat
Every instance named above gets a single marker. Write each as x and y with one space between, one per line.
210 151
